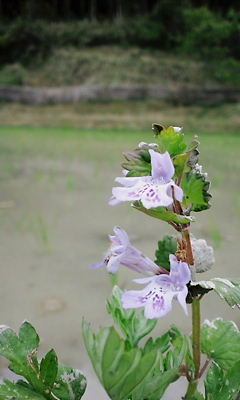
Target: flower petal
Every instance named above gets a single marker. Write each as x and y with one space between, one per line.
121 236
181 297
144 280
133 299
114 264
127 181
180 273
113 201
177 190
162 165
158 306
126 194
156 196
98 265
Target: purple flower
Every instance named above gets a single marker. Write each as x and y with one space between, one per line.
121 252
153 191
157 296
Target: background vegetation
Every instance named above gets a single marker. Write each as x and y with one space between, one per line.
33 34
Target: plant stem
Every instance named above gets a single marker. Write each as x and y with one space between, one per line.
196 335
114 279
186 237
196 325
196 347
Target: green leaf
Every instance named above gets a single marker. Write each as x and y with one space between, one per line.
213 382
197 396
227 289
163 343
181 164
156 386
195 187
231 384
220 340
138 163
180 349
95 345
111 361
168 245
137 380
222 385
169 140
13 391
28 337
174 347
163 214
70 384
21 351
128 373
49 369
132 322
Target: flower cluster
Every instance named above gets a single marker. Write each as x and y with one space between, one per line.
162 286
157 190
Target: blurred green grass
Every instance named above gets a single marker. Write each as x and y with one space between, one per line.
124 115
46 153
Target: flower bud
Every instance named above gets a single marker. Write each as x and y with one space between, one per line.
203 255
177 129
153 146
143 145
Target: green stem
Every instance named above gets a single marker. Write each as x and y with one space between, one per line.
191 390
196 347
196 334
114 279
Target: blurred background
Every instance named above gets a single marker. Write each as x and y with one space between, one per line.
81 82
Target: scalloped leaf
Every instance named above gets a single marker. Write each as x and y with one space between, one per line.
49 368
195 187
155 388
226 289
220 341
14 391
163 214
70 383
187 161
181 164
132 372
132 322
169 140
222 385
176 347
138 163
41 381
28 336
168 245
21 351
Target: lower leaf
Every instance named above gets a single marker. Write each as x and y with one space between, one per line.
13 391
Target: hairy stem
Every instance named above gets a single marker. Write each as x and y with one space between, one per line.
186 237
196 335
114 279
196 347
196 325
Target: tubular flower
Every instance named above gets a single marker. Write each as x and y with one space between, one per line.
153 191
121 252
157 296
